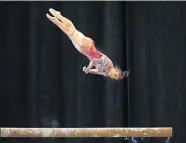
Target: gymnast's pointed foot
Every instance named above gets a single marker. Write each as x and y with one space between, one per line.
62 22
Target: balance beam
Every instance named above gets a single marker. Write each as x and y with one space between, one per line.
86 132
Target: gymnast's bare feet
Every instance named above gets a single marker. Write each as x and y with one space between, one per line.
63 23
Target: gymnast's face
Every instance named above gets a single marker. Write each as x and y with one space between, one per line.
115 74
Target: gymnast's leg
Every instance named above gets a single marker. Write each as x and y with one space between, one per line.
80 41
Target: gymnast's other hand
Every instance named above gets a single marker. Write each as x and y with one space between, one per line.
126 73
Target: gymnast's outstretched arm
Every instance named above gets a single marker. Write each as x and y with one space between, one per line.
80 41
87 69
95 71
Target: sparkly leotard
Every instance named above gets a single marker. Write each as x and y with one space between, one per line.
100 61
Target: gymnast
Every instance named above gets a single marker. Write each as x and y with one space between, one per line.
85 45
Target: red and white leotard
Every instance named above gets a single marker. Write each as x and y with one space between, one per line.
100 61
93 52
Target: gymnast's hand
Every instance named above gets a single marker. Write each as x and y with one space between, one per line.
85 69
63 23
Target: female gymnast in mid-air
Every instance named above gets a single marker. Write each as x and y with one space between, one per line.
103 65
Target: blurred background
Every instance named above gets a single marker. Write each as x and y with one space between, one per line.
41 79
